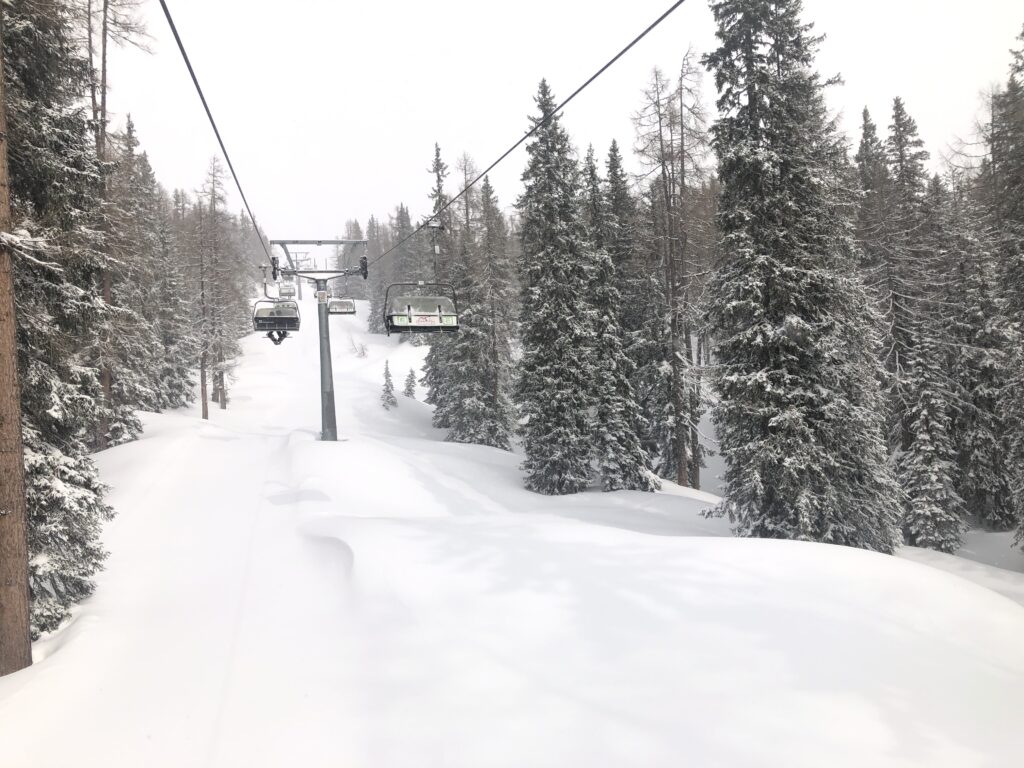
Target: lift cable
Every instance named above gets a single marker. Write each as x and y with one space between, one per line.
540 123
213 123
534 129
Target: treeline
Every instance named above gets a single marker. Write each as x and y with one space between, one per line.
125 294
853 322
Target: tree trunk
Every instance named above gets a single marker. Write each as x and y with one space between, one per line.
90 44
204 328
104 34
15 618
106 378
222 389
203 396
695 395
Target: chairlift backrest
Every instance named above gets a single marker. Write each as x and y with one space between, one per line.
341 307
405 313
424 305
275 315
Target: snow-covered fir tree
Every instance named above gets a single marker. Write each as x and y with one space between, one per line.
130 340
907 264
977 347
926 466
872 212
54 177
478 357
1000 187
444 363
407 260
379 274
555 385
410 385
798 415
346 257
175 329
642 310
387 395
934 512
620 459
436 366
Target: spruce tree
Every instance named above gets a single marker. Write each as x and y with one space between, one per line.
410 385
873 211
387 395
621 461
408 262
619 219
554 389
1001 186
643 309
798 412
980 346
178 343
379 274
347 256
479 355
934 513
896 258
53 176
437 367
926 467
133 241
447 372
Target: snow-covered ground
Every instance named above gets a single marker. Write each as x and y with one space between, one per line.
392 600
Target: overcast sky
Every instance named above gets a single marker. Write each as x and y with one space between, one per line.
330 108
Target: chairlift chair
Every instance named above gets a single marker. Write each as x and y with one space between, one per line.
287 290
270 315
341 307
409 313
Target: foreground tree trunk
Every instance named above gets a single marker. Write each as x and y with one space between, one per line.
15 633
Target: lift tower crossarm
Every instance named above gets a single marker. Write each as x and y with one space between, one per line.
318 242
285 243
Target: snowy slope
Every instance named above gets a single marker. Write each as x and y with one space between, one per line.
394 600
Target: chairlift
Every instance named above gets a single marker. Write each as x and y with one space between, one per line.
341 307
287 290
276 318
409 313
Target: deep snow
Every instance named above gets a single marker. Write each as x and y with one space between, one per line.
395 600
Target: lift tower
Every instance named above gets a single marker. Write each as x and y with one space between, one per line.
328 419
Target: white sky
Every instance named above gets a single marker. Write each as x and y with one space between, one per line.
330 108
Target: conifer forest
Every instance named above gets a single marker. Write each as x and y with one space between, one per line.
743 322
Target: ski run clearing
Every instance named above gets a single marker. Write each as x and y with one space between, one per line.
393 600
